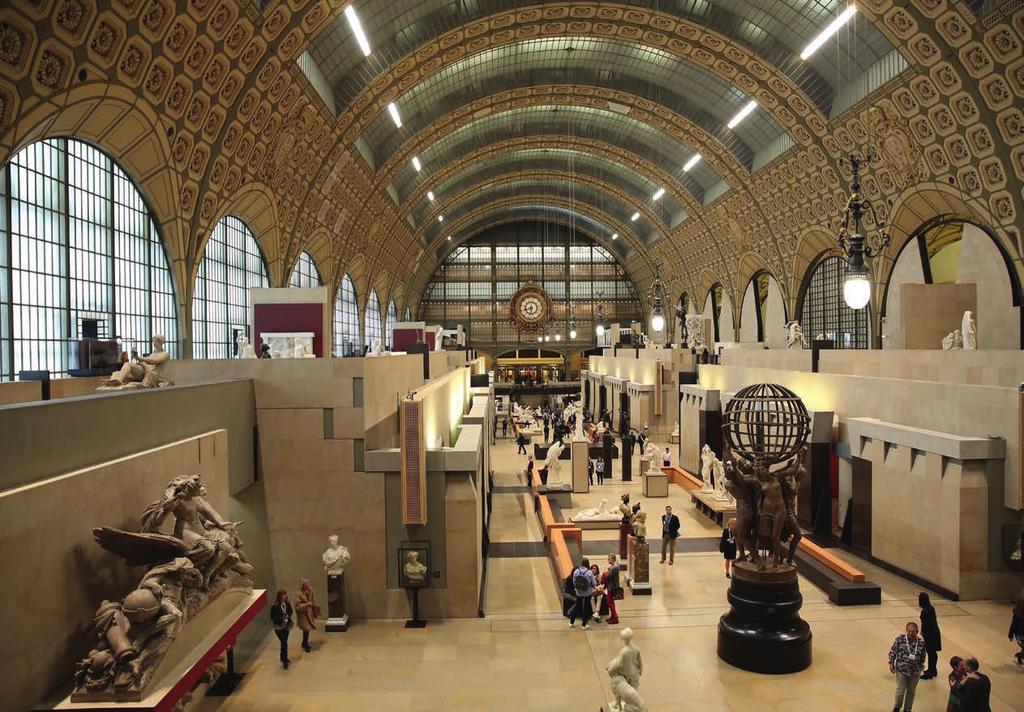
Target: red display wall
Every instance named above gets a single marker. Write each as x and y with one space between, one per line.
288 318
402 338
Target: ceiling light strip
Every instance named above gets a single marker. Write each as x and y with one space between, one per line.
357 30
827 33
691 163
743 113
393 110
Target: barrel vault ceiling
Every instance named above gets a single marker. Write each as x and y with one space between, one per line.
611 116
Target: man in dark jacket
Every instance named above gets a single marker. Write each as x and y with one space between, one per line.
669 534
976 690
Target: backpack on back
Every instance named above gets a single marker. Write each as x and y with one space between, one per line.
579 581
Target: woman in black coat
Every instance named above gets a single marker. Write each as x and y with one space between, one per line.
728 545
931 634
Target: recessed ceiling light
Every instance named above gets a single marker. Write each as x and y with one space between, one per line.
635 216
743 113
449 238
440 218
357 30
825 34
615 236
658 193
430 196
692 162
393 110
416 164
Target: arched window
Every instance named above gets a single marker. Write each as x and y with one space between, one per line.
823 309
389 323
80 257
305 273
232 265
371 319
346 320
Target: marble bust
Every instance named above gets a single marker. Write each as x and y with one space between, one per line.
336 557
640 525
414 569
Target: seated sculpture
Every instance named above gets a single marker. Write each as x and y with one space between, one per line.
141 371
185 571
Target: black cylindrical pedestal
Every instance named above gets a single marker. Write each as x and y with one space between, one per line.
763 631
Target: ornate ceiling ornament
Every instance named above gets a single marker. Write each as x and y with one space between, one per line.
530 309
893 143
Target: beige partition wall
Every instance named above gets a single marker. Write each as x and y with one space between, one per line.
61 575
940 528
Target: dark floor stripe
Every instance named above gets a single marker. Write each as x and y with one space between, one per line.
528 549
516 549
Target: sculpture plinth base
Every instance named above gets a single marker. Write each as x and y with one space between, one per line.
763 631
337 616
639 567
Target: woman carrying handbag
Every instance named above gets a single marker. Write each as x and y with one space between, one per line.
307 611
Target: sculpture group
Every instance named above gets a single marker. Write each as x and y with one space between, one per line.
765 509
186 569
141 371
966 337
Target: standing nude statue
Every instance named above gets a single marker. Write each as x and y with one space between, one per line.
625 671
743 486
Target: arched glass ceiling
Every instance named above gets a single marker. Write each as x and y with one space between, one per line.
541 213
628 180
683 87
777 30
508 189
585 122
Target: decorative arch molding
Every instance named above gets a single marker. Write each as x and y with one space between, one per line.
594 147
255 204
686 39
319 247
129 131
661 119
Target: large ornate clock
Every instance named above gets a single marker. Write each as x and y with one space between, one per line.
530 308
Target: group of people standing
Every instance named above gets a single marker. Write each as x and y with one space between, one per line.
914 655
285 617
590 594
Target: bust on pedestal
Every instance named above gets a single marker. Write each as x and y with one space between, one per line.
335 560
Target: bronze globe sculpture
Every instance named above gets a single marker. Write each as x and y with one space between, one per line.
765 428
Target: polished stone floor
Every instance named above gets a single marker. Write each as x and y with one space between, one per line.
523 656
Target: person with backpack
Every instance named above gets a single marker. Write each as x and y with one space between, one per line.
584 583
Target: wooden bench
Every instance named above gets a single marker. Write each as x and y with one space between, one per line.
718 512
679 476
832 561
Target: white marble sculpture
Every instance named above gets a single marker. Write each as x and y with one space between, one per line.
969 332
186 569
647 456
554 465
952 341
297 344
414 569
141 371
245 349
375 347
336 557
438 338
707 459
675 430
601 513
302 350
795 336
721 494
694 332
625 670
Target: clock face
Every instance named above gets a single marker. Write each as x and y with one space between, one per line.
530 308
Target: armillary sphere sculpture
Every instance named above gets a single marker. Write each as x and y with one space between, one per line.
765 428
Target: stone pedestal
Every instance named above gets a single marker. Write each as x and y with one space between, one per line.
655 484
337 616
625 531
579 449
763 631
639 567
